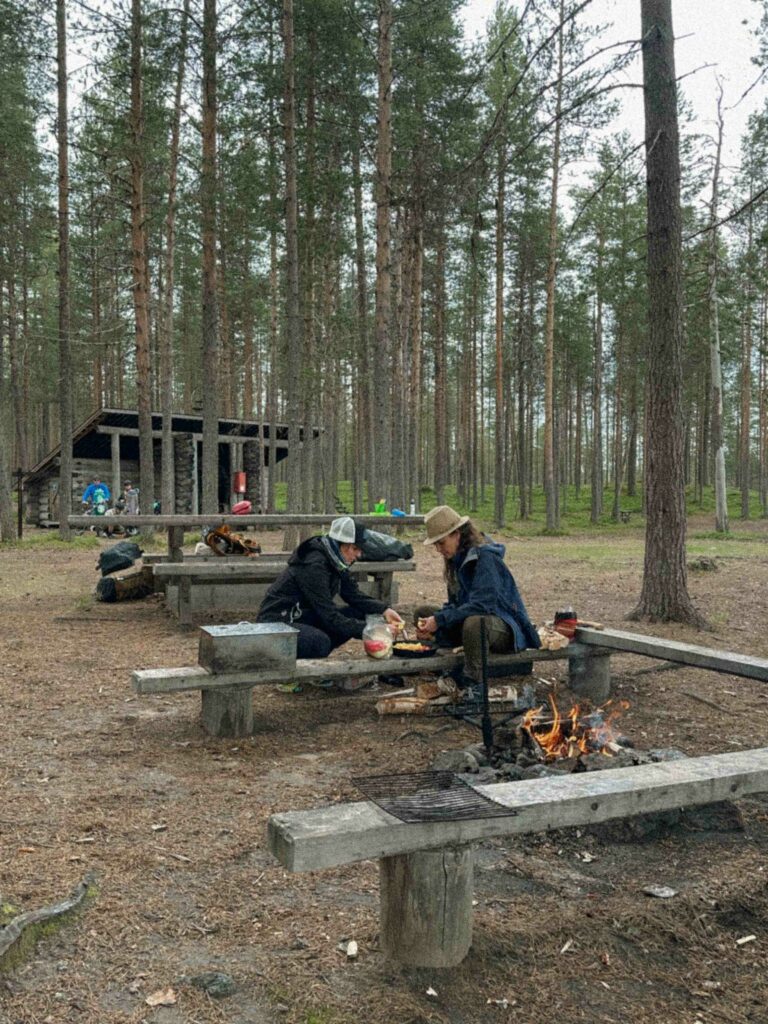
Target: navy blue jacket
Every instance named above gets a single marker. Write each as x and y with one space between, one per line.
487 587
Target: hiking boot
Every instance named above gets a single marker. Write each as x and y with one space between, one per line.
470 701
288 687
351 685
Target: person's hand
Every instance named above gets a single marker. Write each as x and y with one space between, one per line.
426 628
394 621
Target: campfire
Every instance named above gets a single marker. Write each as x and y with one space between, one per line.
553 736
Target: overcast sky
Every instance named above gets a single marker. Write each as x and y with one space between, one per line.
707 32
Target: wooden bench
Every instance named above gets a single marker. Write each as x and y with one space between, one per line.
177 524
730 662
181 580
227 704
426 869
227 695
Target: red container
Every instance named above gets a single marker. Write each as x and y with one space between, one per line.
242 508
565 622
238 483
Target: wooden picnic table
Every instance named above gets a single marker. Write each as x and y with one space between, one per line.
205 572
177 524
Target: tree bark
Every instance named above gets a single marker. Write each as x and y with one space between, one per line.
293 312
383 254
65 357
167 496
718 444
210 496
664 593
550 485
499 481
746 373
139 272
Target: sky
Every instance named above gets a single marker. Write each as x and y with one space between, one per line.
707 32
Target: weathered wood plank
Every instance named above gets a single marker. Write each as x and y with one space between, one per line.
672 650
195 677
249 569
280 520
346 833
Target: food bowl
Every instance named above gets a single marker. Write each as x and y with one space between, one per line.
414 649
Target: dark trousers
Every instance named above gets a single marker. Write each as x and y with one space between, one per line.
467 634
314 642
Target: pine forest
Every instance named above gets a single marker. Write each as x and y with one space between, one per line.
347 215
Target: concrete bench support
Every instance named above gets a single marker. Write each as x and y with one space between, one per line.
590 675
426 906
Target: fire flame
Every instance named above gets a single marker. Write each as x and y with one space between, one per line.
577 732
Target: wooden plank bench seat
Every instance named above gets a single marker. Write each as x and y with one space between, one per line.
227 697
729 662
426 869
203 573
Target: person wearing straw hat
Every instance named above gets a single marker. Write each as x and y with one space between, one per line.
304 594
480 587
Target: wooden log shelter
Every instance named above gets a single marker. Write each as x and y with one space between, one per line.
107 444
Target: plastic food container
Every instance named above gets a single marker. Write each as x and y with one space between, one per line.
377 640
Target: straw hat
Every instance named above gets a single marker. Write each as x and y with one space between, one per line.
441 521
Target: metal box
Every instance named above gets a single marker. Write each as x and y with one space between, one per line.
247 646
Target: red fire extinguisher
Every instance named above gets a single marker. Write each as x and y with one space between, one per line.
238 482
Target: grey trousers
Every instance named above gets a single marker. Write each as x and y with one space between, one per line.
467 635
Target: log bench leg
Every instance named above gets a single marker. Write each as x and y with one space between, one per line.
228 711
426 906
590 676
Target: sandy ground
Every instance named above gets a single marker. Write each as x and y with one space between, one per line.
172 824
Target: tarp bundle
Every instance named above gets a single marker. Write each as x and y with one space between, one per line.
380 547
120 556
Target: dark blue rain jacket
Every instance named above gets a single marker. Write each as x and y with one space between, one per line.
487 587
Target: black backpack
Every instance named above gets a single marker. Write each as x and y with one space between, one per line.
120 556
380 547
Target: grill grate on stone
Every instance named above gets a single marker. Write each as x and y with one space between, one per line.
429 796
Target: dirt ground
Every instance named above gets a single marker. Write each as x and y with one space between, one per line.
172 824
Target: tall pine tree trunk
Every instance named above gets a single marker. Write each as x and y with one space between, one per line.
167 488
139 272
441 376
499 481
550 483
292 311
746 375
383 254
65 355
596 507
718 442
210 325
664 594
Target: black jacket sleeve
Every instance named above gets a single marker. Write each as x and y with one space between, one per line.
314 581
355 598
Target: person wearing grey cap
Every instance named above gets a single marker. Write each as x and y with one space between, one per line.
304 594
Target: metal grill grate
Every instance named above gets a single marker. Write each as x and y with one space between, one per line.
429 796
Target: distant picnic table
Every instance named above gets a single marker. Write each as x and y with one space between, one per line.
177 524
